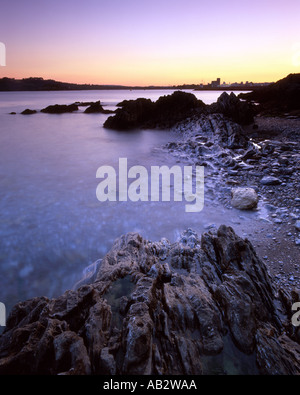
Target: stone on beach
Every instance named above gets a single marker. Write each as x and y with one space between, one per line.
244 198
270 180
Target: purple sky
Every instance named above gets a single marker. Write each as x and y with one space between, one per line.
150 42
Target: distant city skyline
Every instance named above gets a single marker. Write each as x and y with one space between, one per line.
157 42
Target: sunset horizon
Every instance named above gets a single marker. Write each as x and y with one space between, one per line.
162 84
153 43
149 178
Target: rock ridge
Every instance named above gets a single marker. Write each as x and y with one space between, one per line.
188 307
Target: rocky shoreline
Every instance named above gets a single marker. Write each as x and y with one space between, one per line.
203 305
263 156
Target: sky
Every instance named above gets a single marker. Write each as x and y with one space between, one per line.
150 42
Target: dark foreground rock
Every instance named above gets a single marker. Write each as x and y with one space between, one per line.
164 113
232 107
197 306
168 110
134 113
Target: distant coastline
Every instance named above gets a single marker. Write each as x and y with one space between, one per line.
39 84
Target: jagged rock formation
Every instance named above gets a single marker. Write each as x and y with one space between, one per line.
168 110
210 137
160 308
133 114
235 109
163 113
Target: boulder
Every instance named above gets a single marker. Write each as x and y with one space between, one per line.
187 307
244 198
60 109
232 107
133 114
176 107
28 112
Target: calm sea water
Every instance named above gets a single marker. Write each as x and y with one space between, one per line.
51 224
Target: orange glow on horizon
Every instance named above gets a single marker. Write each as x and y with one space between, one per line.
151 43
151 77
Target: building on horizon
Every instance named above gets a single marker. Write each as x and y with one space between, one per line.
216 84
235 85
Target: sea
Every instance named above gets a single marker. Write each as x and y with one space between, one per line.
52 226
